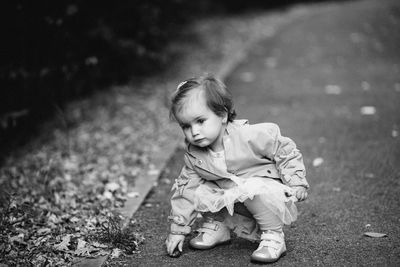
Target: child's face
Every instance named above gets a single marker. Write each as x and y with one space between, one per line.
200 125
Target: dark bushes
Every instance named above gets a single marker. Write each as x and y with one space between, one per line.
56 50
53 51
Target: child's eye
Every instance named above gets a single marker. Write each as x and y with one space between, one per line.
201 121
184 126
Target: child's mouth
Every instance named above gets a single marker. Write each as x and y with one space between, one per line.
199 140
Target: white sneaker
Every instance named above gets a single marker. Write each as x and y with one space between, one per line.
211 234
271 248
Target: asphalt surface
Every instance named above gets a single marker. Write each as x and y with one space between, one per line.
280 80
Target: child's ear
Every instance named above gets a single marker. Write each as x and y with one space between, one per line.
225 118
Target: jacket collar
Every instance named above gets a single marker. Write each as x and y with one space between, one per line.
230 128
199 154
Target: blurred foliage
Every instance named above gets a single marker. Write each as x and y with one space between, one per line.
54 51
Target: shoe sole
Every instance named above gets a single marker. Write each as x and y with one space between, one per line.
210 247
268 261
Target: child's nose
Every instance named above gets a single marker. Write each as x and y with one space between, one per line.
195 130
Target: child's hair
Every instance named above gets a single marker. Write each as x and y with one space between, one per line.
218 98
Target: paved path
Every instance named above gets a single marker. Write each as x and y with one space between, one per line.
312 78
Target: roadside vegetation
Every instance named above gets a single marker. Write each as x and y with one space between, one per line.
61 191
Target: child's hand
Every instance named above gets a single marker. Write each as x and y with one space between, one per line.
300 193
174 241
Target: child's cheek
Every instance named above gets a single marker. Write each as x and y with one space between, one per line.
188 136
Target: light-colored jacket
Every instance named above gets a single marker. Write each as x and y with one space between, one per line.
257 150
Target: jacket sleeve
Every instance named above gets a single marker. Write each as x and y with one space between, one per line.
183 213
288 159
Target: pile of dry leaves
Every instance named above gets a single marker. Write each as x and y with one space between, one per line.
59 196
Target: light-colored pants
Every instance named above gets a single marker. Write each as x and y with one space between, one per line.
264 217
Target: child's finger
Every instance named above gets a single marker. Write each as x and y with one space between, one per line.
180 246
304 195
171 247
299 195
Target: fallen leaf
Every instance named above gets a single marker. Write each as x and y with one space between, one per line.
67 177
369 175
71 164
108 195
365 86
153 172
40 240
133 194
166 181
116 252
336 189
74 219
63 245
317 162
54 219
44 231
112 186
18 238
99 245
83 250
368 110
81 243
271 62
101 252
373 234
395 133
358 196
333 89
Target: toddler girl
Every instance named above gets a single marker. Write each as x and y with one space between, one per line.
239 176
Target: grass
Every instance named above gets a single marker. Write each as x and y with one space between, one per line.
115 235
